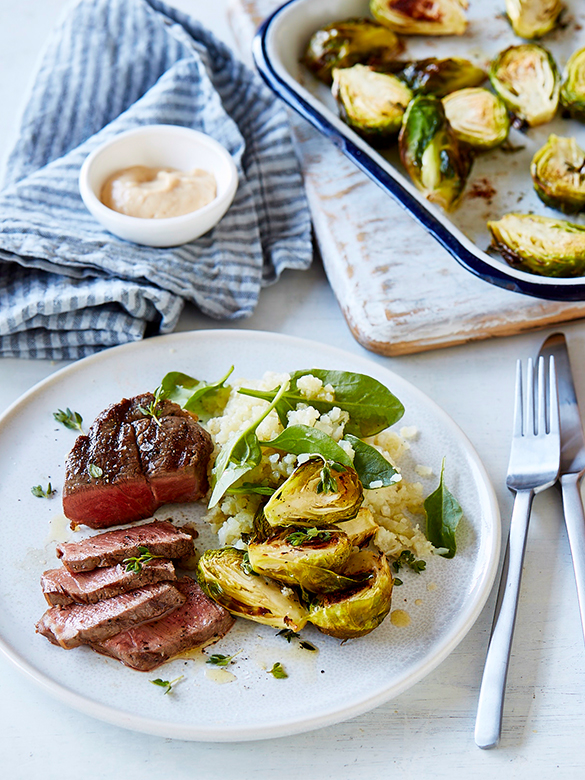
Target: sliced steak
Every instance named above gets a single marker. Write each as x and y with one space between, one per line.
143 461
81 624
62 587
111 547
197 622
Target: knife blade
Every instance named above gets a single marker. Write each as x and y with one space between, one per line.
572 460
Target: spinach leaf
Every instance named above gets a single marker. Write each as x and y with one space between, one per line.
443 515
242 455
205 399
371 406
251 487
300 439
370 465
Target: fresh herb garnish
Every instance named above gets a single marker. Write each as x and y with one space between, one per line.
94 471
38 491
328 483
406 558
137 562
241 456
443 515
69 419
371 466
308 646
300 537
204 399
370 405
166 684
289 635
153 410
278 671
221 660
397 581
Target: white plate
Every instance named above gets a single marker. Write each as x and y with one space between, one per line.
336 683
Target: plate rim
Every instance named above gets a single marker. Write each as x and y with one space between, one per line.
152 726
383 173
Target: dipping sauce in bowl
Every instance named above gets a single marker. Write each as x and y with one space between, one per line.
158 193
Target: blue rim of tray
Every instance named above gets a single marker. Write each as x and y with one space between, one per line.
541 287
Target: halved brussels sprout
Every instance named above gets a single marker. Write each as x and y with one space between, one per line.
361 528
478 117
440 77
310 558
224 576
558 173
541 245
437 162
358 611
421 17
573 86
533 18
318 494
345 43
372 103
527 80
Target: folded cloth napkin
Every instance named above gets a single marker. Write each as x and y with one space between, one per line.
67 286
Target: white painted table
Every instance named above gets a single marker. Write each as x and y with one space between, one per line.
426 732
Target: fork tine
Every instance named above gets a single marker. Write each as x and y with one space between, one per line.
529 415
518 404
553 394
541 394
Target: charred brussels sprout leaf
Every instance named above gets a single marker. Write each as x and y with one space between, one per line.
541 245
421 17
533 18
527 80
223 576
478 117
558 173
346 43
371 103
310 560
440 77
370 405
573 86
361 528
301 500
358 611
437 162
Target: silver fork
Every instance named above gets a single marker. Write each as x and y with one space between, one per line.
533 467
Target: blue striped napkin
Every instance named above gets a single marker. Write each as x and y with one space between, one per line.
67 286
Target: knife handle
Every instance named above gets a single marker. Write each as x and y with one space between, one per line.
575 522
488 723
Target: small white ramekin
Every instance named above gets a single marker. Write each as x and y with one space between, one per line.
168 146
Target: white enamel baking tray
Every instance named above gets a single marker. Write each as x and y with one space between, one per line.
278 47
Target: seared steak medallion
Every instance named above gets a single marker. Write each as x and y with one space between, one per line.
146 460
61 587
81 624
111 547
197 622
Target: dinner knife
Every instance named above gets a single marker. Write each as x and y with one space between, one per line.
572 460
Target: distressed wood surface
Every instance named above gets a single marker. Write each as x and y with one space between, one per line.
399 290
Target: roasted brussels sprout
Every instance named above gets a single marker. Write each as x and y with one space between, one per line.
558 173
573 86
372 103
439 77
361 528
357 611
310 558
317 493
533 18
437 162
541 245
225 578
527 80
421 17
343 44
478 117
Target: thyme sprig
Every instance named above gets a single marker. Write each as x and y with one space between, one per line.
278 671
299 537
136 562
69 419
167 684
39 492
152 409
406 558
221 660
